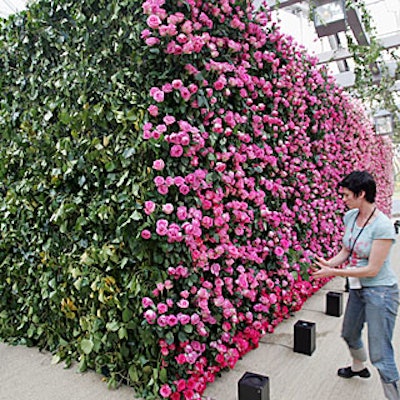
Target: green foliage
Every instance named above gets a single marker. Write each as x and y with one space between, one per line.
71 103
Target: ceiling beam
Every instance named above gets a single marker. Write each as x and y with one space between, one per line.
276 3
347 79
387 43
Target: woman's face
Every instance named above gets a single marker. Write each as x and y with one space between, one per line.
350 199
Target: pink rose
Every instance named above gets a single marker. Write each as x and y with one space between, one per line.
162 308
165 391
149 207
153 110
169 119
177 83
153 21
158 165
147 302
168 208
150 316
176 150
152 41
279 251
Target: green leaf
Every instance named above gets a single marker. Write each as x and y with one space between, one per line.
86 346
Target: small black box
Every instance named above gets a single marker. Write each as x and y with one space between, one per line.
253 387
304 337
334 304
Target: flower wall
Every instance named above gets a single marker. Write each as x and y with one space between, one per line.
166 192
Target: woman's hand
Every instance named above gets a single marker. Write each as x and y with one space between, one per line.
324 268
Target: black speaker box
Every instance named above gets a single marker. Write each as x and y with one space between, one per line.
334 304
253 387
304 337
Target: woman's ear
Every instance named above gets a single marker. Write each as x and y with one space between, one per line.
362 194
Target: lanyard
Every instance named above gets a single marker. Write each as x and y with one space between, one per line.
359 233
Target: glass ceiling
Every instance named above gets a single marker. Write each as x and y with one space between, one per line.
8 7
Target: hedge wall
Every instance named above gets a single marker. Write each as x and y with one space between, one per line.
168 167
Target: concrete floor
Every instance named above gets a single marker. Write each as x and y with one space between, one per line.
27 374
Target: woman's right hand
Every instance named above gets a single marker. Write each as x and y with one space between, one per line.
321 262
324 269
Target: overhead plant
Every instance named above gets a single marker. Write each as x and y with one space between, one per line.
374 83
168 169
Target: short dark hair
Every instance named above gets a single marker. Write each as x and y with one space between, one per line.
359 181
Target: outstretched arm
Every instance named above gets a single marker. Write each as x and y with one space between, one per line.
379 252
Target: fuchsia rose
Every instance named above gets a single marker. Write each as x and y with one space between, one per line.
146 234
249 178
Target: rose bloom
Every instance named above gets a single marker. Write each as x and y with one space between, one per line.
178 180
150 316
181 213
153 110
167 88
169 119
168 208
180 358
165 391
185 93
176 150
183 318
153 21
145 33
159 180
146 234
184 189
158 96
151 41
162 227
162 308
279 251
162 189
158 165
147 302
177 83
182 303
149 207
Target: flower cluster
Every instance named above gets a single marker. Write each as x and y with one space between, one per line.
250 140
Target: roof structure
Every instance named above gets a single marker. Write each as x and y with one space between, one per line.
8 7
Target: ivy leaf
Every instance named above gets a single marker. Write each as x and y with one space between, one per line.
87 346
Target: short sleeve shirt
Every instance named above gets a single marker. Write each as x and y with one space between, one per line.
380 228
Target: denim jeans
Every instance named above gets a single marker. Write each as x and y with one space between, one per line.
377 306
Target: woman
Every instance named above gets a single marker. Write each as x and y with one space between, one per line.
374 295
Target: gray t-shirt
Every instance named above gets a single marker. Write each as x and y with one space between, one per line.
380 228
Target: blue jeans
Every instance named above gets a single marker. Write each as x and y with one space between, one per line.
377 306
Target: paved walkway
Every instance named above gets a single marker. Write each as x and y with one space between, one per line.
27 374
